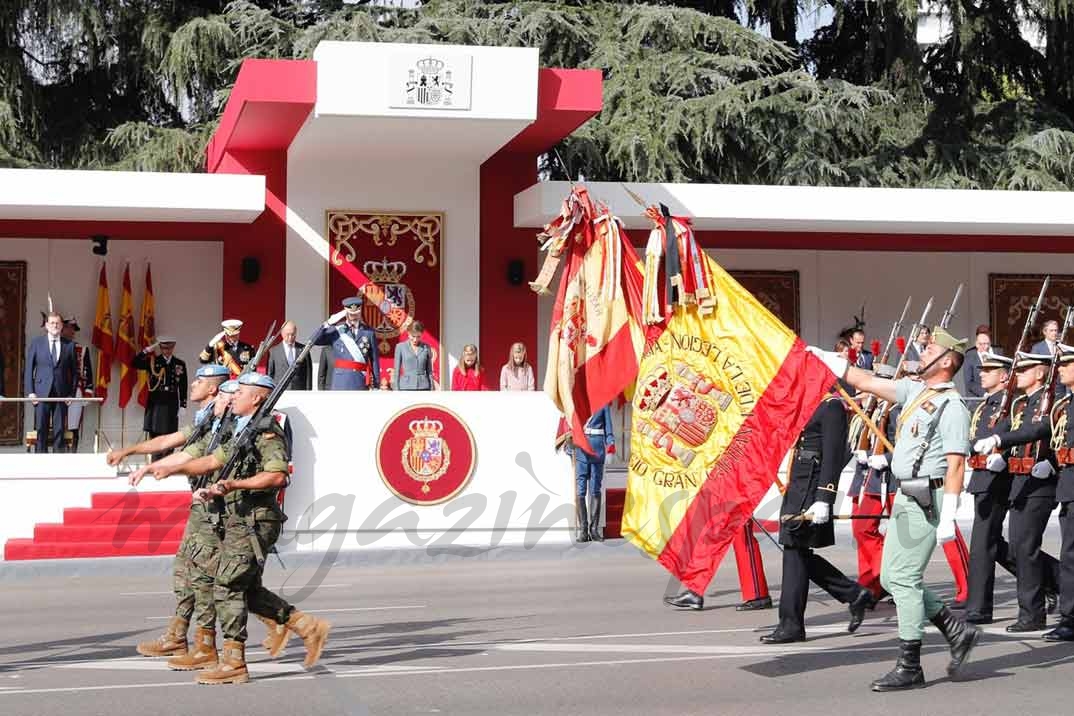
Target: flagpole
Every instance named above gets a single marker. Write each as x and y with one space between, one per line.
865 418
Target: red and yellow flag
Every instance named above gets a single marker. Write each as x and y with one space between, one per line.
596 335
125 349
722 394
147 333
103 339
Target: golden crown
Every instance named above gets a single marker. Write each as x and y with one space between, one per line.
430 66
385 271
426 428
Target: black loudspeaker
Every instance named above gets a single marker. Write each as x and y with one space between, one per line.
516 270
100 245
251 269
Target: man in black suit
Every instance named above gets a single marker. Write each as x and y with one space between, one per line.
863 358
971 369
50 372
282 356
1051 335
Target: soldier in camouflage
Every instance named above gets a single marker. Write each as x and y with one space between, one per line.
204 389
251 521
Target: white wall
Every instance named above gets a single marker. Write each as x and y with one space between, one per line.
187 283
314 187
335 459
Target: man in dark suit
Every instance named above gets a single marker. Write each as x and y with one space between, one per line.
166 380
1051 335
282 356
50 373
971 369
856 338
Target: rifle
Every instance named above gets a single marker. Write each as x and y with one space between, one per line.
1008 393
913 334
945 319
242 443
870 400
1048 399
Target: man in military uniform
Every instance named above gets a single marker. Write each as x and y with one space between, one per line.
990 485
83 378
929 462
1033 488
166 381
355 362
1062 421
204 390
227 350
251 522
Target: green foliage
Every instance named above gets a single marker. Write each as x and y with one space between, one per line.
692 90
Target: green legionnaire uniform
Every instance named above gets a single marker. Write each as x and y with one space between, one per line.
173 642
251 521
933 424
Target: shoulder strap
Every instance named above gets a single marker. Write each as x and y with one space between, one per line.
928 439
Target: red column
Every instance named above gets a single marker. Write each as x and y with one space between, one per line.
508 312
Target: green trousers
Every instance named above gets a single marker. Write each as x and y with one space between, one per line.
908 547
195 569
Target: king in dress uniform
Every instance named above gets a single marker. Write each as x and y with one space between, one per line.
227 350
353 360
166 380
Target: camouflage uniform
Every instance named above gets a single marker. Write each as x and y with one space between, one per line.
252 521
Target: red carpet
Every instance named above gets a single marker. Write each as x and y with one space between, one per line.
116 524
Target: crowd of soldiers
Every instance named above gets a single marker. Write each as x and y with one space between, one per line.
236 455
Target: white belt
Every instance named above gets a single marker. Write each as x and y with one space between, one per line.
594 432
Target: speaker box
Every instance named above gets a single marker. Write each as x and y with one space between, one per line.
251 269
516 272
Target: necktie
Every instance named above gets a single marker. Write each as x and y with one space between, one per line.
55 353
290 355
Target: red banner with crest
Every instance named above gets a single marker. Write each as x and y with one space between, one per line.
393 259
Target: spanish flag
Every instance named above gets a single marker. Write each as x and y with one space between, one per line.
147 334
722 393
125 350
103 339
596 334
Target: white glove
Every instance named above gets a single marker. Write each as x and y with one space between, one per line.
335 318
217 338
995 463
878 462
945 530
986 445
861 456
835 362
149 349
1042 470
821 512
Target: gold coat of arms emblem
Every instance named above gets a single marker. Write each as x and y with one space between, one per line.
426 455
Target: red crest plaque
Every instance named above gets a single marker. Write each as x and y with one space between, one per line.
426 454
393 260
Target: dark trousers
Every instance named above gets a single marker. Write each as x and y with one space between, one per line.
50 420
1066 563
1029 517
800 567
987 548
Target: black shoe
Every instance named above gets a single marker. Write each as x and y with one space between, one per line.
686 600
1063 632
857 608
752 605
1051 602
977 618
961 637
907 673
1020 627
782 636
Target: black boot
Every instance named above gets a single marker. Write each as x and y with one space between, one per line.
864 600
595 532
961 637
582 518
907 673
1064 631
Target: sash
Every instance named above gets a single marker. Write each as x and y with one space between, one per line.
352 347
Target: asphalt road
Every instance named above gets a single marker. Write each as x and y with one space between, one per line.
556 636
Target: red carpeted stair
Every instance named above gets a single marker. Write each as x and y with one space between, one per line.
116 524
